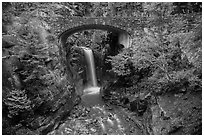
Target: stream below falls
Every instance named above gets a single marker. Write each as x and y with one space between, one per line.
94 117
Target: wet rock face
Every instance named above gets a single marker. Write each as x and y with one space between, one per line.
77 62
76 66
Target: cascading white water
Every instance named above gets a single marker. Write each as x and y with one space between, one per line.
91 94
91 67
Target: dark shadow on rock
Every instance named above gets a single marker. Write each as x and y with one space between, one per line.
139 106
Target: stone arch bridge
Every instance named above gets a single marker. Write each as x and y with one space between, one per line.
125 27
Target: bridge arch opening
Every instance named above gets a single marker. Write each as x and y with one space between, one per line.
123 36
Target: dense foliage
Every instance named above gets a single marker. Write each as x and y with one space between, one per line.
170 50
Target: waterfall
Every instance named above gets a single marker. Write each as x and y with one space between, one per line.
91 94
91 67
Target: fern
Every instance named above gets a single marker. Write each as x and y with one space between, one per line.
17 102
